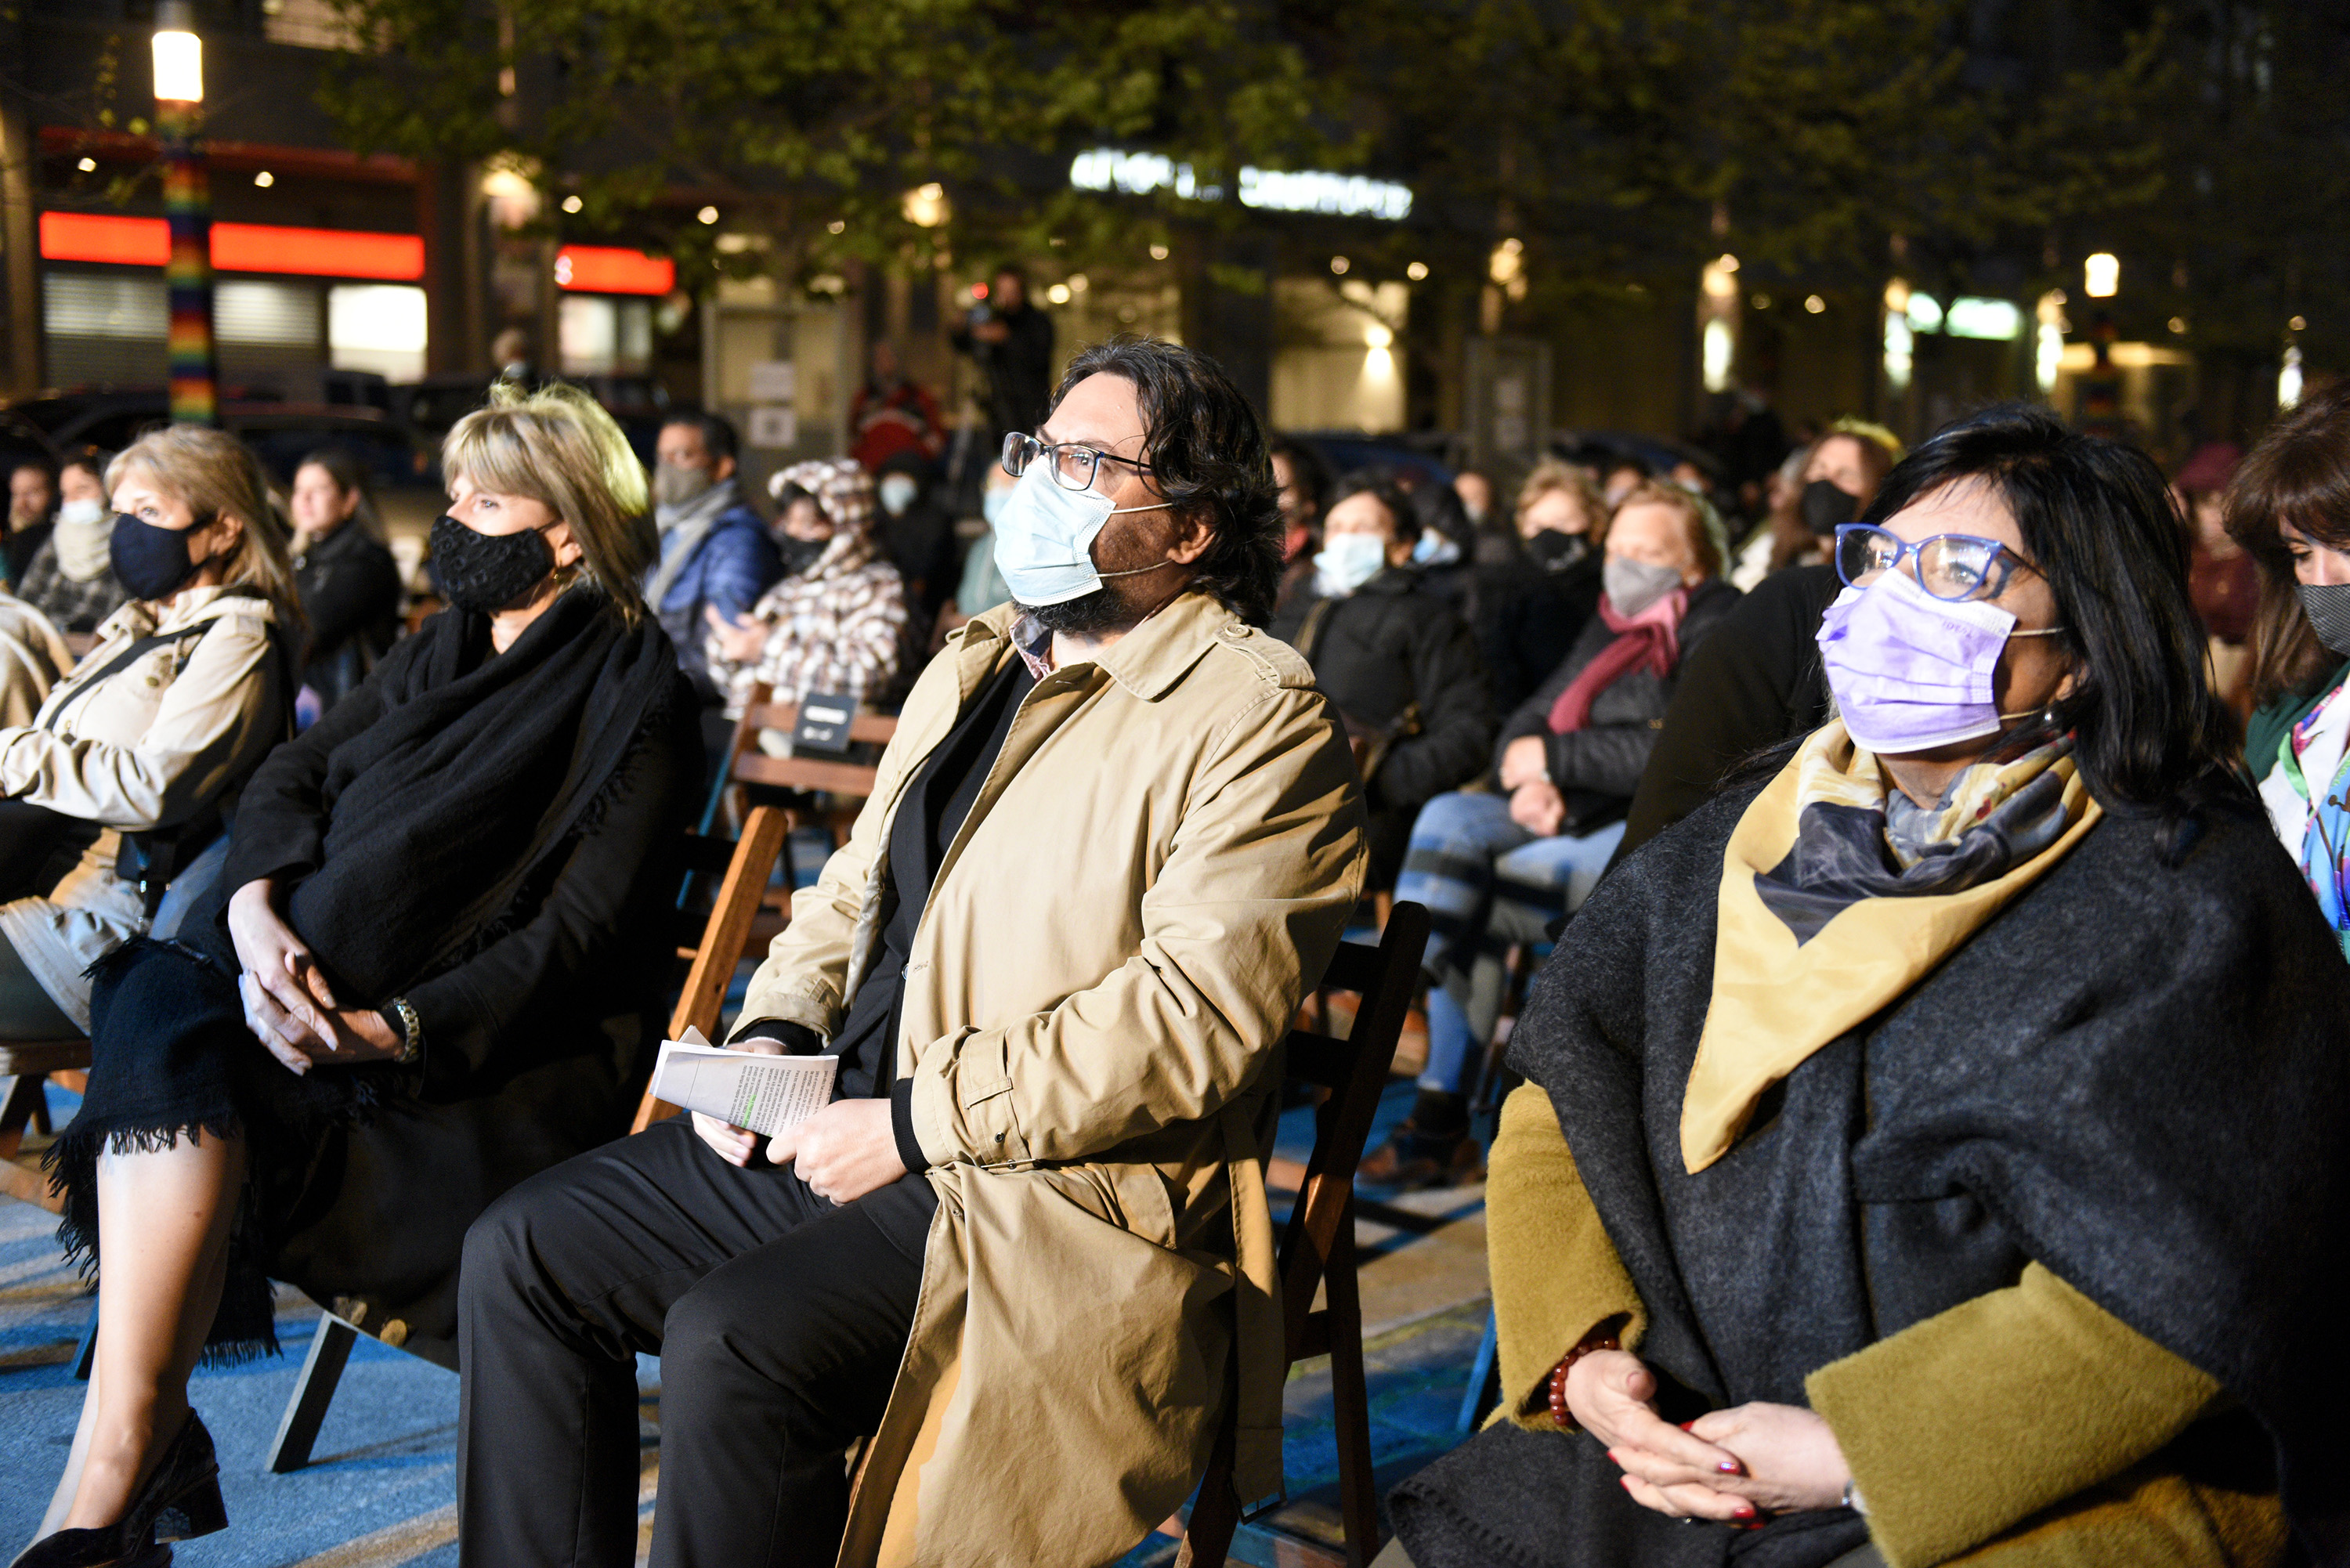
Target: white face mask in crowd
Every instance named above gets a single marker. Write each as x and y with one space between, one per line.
898 492
81 514
1436 548
1347 561
1045 536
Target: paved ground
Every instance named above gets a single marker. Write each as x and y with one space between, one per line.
379 1490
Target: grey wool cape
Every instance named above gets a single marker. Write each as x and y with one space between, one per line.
2136 1074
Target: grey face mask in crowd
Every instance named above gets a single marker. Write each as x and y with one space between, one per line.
2327 605
1633 586
676 485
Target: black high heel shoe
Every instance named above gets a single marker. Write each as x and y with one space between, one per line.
180 1500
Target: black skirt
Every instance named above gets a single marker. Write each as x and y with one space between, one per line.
170 1058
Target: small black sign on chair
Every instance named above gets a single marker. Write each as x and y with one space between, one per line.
823 724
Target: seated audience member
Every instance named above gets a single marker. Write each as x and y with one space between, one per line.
2222 576
1304 485
1924 1140
1535 607
33 658
1621 474
892 414
32 514
1395 660
716 557
437 901
71 578
2286 508
1759 683
347 579
1477 499
152 735
982 586
918 535
1497 868
1773 543
836 621
1116 839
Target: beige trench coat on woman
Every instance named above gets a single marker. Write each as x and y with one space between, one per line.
1159 865
133 746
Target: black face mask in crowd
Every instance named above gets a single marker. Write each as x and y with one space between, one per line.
1825 507
149 561
799 555
1555 552
2327 605
483 572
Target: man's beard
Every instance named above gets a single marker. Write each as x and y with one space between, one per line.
1088 615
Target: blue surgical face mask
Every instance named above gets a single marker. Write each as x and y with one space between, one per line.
1435 549
1045 536
897 493
1347 561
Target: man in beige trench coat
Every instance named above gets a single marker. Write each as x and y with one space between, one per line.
1116 839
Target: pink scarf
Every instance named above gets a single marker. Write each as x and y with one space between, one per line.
1649 640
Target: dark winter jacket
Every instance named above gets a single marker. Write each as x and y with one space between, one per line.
920 543
1528 619
350 596
1757 685
730 565
1402 670
1599 766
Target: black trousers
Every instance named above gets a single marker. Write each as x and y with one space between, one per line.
779 1318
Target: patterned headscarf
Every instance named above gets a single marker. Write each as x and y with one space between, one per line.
842 488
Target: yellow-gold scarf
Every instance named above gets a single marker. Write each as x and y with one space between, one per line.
1822 923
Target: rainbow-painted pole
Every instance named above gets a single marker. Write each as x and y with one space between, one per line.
188 207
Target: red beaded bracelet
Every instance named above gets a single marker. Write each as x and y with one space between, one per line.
1558 1411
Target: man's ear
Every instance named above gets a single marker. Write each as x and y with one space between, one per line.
1193 533
723 470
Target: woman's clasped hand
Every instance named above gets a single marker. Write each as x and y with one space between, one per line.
1733 1466
288 1005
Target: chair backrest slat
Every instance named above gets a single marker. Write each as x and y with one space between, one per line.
876 728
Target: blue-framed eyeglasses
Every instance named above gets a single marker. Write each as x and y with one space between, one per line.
1953 568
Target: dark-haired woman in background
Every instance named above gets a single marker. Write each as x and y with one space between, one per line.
350 583
1928 1143
71 578
1396 660
2288 506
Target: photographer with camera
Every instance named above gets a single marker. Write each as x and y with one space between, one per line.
1012 342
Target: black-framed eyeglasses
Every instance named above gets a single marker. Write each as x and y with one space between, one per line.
1073 466
1953 567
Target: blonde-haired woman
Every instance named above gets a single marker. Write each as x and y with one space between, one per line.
437 903
154 734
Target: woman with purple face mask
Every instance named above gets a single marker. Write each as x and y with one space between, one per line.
1923 1140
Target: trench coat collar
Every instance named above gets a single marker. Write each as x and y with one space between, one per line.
1146 661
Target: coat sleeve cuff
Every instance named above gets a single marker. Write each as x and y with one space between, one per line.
797 1039
1999 1449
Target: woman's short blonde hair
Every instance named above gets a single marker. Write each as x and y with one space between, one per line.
558 446
1550 475
215 475
1701 526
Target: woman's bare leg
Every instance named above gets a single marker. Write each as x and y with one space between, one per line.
163 1221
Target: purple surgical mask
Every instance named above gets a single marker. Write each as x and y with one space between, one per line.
1910 671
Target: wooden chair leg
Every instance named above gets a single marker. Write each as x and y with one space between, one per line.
330 1347
1358 1495
1216 1512
21 1101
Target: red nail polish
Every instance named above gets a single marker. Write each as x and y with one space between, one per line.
1728 1467
1687 1425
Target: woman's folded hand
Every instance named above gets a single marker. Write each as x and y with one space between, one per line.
1612 1396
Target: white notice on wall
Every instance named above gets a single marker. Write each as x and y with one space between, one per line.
744 1088
775 381
774 427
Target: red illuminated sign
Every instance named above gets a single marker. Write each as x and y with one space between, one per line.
608 269
236 247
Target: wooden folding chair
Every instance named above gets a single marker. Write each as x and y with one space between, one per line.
1317 1249
746 862
725 940
26 1066
845 781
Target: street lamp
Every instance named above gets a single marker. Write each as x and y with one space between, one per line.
188 209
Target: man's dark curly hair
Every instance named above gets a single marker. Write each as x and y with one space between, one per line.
1207 453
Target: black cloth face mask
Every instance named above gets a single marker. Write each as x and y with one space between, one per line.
483 572
2327 605
149 561
1555 552
1825 507
799 555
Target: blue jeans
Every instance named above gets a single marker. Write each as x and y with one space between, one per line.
1488 884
